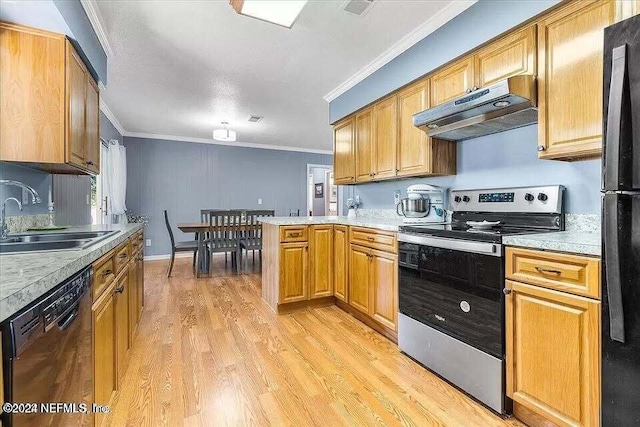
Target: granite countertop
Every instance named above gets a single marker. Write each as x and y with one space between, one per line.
26 276
387 224
577 242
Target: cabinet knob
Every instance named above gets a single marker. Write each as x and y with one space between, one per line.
90 163
474 88
120 289
468 91
506 291
541 148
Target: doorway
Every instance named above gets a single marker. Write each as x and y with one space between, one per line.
319 190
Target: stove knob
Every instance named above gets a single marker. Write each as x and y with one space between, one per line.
529 197
457 199
543 197
466 199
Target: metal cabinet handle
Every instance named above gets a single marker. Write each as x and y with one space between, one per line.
371 238
120 289
122 256
294 234
106 273
90 163
548 270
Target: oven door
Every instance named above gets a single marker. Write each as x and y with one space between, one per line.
457 291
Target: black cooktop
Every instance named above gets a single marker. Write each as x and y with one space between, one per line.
462 231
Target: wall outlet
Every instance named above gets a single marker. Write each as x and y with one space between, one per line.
259 201
147 242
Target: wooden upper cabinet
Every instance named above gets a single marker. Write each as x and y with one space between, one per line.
385 117
509 56
364 145
384 289
294 272
321 262
452 81
340 261
344 167
413 155
570 51
92 134
76 97
32 104
553 354
49 113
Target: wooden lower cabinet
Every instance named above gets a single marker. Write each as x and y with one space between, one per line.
340 261
321 261
294 282
133 296
104 350
121 300
359 278
373 284
553 354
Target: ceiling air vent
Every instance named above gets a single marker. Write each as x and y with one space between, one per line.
255 119
357 7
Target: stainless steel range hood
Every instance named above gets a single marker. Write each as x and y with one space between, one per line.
505 105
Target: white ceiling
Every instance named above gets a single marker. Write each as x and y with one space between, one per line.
179 68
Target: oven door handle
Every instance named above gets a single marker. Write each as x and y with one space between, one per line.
491 249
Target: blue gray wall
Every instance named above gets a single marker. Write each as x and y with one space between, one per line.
507 159
480 23
184 177
501 160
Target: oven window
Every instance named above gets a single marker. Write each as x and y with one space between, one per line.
458 293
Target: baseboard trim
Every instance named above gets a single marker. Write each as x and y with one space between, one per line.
167 256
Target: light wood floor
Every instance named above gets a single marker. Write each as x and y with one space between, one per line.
210 352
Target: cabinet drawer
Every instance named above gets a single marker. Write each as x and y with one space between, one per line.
575 274
375 239
121 257
293 233
104 272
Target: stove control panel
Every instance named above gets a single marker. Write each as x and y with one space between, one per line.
544 199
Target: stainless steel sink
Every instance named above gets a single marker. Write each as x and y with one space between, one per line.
53 241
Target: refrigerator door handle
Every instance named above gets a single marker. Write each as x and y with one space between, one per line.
611 177
612 262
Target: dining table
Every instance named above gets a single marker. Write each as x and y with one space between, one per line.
201 228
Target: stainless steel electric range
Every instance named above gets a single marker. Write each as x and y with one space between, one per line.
451 285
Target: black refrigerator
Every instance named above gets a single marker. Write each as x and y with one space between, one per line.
621 226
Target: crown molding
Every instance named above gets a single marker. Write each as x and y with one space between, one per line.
93 13
112 118
436 21
230 144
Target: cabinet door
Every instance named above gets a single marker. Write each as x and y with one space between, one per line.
413 148
553 354
344 167
364 146
133 296
92 128
104 355
510 56
384 289
359 260
340 261
321 265
385 118
452 81
294 272
32 93
140 299
76 100
121 298
570 51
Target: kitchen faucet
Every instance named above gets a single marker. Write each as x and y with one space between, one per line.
35 198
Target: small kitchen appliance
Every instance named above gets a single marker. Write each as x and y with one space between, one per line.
424 204
452 285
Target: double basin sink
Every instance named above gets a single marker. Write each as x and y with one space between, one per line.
53 241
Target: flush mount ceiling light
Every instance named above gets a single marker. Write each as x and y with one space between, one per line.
279 12
224 134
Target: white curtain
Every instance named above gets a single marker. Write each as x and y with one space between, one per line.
114 170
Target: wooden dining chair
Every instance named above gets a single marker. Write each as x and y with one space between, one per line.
252 235
190 246
224 234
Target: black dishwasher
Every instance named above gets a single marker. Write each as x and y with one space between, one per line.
47 361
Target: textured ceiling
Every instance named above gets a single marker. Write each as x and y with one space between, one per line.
181 67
